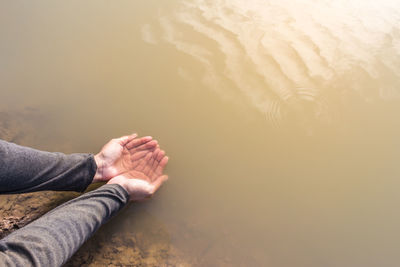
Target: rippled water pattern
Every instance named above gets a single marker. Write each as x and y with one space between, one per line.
284 56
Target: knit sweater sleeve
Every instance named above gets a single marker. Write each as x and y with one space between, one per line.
24 169
52 239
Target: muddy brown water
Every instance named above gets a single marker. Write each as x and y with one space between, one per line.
281 119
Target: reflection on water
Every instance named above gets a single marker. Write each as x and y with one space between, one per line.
283 56
280 119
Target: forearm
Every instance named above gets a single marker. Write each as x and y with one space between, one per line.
24 169
55 237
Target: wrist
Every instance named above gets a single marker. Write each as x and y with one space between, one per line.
119 181
98 177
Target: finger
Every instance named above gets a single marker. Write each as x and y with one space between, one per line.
139 162
147 146
147 168
137 142
144 161
138 155
161 166
158 182
125 139
155 156
161 155
154 164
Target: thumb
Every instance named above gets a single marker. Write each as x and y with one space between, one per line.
158 182
125 139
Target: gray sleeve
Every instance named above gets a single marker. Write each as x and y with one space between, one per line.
52 239
24 169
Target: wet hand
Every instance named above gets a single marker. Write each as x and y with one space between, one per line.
145 180
122 155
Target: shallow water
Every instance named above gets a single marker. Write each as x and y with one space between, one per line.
281 119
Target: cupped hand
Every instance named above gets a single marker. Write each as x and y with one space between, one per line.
145 180
122 155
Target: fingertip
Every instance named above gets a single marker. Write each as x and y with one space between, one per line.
164 161
123 140
135 143
153 143
130 138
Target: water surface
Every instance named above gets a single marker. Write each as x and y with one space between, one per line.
281 119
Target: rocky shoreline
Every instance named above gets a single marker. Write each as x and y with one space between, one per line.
145 247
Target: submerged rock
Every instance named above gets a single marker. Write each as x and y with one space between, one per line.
132 238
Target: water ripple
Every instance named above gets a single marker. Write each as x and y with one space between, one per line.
280 56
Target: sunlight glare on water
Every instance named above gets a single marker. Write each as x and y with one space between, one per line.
277 55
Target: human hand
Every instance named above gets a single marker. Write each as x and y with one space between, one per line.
145 180
122 155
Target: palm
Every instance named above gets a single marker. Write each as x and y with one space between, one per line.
146 178
123 155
